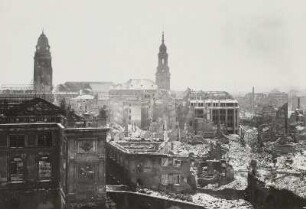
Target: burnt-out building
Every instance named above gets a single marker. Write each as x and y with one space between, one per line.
140 164
47 159
29 155
218 107
42 157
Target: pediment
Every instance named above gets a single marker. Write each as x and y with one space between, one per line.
35 106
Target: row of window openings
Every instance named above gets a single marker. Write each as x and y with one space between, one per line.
19 141
214 104
17 169
175 179
165 162
42 119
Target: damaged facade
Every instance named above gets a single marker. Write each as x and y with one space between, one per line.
40 154
202 107
139 164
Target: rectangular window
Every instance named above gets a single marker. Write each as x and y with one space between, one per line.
31 140
44 140
17 141
44 167
16 169
164 179
176 179
165 162
177 163
3 140
147 166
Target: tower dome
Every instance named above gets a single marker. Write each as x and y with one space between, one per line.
42 43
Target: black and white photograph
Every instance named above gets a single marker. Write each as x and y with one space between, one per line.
152 104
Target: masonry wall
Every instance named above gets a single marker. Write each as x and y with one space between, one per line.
83 167
29 156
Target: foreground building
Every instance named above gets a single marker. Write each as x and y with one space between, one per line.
40 157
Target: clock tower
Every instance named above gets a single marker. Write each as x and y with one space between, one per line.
162 73
42 66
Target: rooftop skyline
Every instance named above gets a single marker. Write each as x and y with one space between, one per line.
212 45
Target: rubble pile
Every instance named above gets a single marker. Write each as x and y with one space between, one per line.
116 128
168 195
291 183
290 174
209 201
250 135
239 156
202 199
135 131
239 183
185 149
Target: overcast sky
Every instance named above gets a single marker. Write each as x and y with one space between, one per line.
213 45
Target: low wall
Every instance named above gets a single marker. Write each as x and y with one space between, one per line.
132 200
262 197
229 194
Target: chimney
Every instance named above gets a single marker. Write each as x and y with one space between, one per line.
299 103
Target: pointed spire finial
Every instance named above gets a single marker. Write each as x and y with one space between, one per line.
163 37
43 30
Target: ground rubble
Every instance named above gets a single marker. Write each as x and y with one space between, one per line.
205 200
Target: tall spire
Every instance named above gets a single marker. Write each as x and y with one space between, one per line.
162 74
163 37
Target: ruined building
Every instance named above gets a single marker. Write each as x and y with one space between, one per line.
42 65
46 163
162 73
204 107
141 164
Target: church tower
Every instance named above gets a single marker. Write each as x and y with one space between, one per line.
42 65
162 74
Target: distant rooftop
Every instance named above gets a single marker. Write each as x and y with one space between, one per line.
138 84
16 87
75 86
213 95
